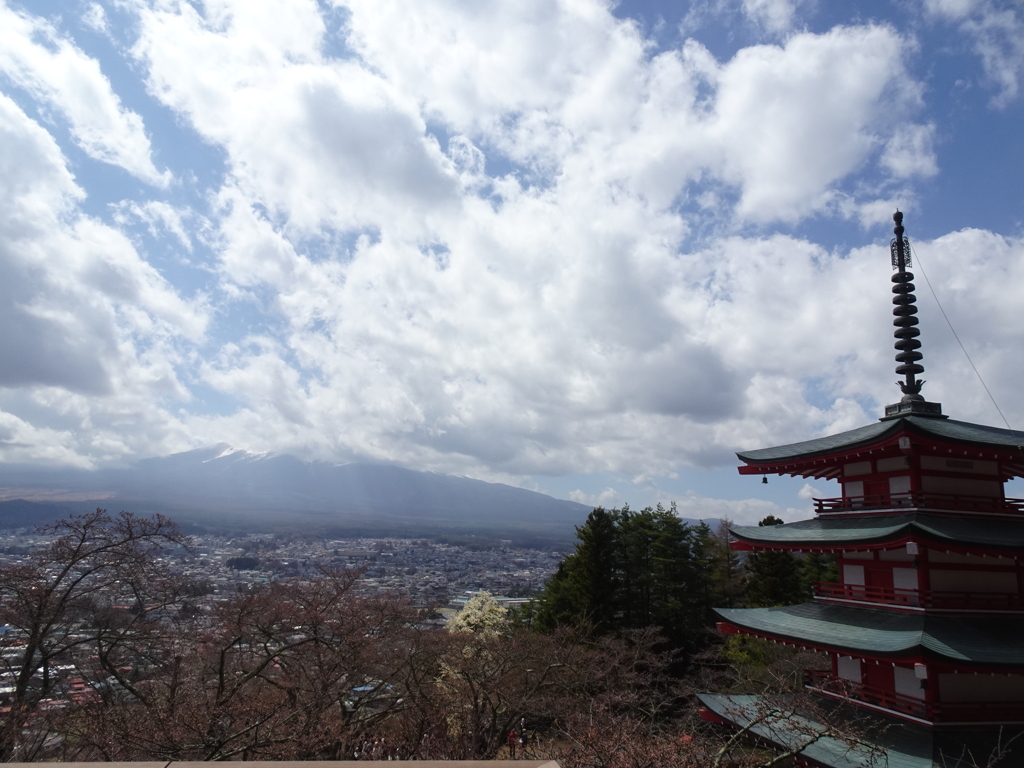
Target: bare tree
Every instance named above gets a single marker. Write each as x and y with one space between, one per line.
999 754
603 740
99 582
295 670
790 725
771 706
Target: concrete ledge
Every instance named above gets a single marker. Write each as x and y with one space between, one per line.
320 764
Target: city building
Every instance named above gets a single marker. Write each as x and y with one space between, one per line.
925 628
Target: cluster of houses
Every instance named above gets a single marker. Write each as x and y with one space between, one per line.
430 574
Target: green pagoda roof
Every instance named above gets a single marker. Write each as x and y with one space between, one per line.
790 729
824 532
893 634
946 430
897 744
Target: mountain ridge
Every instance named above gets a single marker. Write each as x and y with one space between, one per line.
219 487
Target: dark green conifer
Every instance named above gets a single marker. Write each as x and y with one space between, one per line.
773 578
632 570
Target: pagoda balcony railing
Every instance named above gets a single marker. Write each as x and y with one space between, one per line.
920 500
920 598
931 711
825 682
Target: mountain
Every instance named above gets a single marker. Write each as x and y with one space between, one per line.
19 513
221 488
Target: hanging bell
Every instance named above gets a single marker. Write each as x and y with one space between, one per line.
764 480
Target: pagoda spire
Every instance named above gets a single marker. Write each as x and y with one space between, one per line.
908 357
906 321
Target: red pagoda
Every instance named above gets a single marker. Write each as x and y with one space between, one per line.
925 627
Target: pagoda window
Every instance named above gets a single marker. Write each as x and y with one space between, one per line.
907 683
848 668
961 486
970 466
899 485
980 687
893 464
853 574
904 578
905 583
858 468
853 489
1001 582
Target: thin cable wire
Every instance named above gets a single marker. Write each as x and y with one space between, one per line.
962 347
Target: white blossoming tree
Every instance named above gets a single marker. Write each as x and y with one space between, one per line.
482 614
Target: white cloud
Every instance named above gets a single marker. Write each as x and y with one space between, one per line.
531 75
977 276
952 9
158 216
997 33
95 17
50 67
608 498
794 120
774 15
781 123
909 152
739 511
809 492
22 443
508 325
347 151
91 330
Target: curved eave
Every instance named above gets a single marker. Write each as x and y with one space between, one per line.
829 445
794 731
887 634
876 531
815 537
818 458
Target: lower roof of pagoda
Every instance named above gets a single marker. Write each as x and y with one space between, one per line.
995 641
819 457
790 729
867 531
880 739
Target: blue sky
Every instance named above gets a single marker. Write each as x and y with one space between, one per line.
590 249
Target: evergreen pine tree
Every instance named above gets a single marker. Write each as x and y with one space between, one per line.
727 569
632 570
773 578
814 568
703 592
586 585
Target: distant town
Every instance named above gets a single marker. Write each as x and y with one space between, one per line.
428 573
